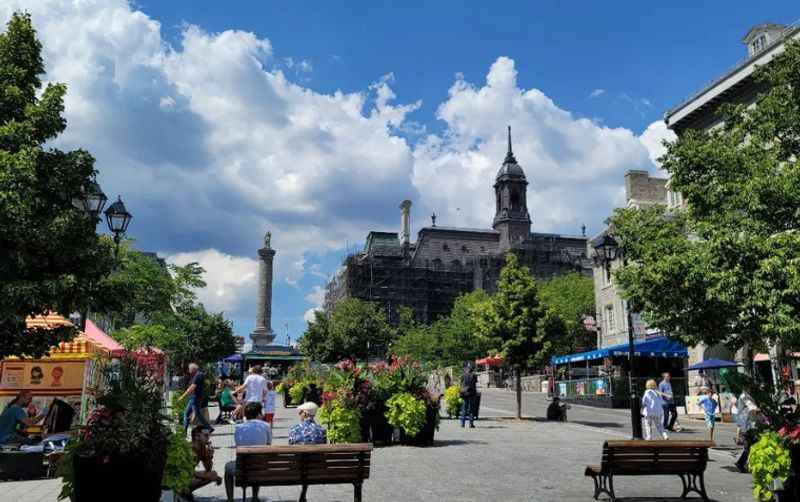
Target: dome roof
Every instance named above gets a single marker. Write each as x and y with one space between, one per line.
510 166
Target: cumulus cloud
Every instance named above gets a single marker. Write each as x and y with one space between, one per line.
231 281
316 297
596 93
211 144
575 166
653 139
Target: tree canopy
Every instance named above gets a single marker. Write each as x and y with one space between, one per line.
727 267
50 253
355 329
515 323
570 298
449 341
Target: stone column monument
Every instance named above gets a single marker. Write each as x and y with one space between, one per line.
263 336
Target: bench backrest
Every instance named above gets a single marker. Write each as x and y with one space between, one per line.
655 457
302 464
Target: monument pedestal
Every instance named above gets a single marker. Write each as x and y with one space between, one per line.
262 338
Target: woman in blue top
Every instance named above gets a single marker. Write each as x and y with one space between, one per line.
14 415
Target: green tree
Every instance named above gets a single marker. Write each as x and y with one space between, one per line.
571 298
512 322
354 328
50 254
449 341
726 268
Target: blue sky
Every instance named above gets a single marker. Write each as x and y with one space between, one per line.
219 120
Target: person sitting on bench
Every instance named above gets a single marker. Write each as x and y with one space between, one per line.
557 411
204 454
254 432
307 431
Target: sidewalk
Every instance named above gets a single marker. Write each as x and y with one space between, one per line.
501 459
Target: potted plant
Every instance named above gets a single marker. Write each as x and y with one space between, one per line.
409 414
453 401
124 444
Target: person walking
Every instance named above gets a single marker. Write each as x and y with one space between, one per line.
670 409
709 404
195 393
254 386
653 412
469 392
269 403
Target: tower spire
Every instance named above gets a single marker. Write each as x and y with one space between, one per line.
510 154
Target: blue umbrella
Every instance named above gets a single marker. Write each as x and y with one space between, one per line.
235 358
713 364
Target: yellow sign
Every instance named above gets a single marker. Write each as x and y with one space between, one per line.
42 375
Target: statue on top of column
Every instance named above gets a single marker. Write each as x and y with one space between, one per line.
267 240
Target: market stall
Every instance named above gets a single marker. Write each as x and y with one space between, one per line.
600 377
66 373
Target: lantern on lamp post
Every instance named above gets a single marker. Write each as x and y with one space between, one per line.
118 219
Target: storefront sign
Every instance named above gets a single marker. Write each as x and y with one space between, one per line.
42 375
562 389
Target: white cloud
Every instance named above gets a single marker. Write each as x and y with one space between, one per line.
596 93
211 143
316 297
575 166
231 282
652 138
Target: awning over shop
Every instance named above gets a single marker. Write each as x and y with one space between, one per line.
656 347
271 357
490 361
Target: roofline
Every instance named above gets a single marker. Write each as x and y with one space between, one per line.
674 115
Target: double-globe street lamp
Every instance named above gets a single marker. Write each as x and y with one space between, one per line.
91 201
606 251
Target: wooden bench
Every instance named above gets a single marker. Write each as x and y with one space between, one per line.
304 465
686 459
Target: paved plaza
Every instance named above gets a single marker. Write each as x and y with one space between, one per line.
501 459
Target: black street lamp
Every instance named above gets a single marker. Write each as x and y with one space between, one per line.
91 200
606 250
118 219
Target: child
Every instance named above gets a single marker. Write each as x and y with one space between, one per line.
269 404
653 411
709 404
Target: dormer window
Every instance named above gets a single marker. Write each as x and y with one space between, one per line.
759 44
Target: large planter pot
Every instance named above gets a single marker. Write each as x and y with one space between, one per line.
380 431
477 405
791 488
425 436
138 477
287 399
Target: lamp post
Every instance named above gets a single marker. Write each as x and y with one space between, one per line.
91 201
606 250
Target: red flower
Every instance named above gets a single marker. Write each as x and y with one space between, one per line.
345 365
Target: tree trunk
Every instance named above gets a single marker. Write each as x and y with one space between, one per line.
518 378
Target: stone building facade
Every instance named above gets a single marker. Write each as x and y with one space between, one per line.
444 262
641 190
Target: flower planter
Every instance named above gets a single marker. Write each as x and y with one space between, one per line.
287 399
378 428
138 477
425 436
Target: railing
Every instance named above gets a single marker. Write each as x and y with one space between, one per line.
608 387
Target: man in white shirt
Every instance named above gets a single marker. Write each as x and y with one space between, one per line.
254 386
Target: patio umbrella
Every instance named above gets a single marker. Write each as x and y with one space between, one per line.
713 364
235 358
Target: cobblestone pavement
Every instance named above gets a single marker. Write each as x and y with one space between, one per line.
501 459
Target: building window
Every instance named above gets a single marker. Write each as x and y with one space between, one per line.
759 44
607 274
610 326
464 249
445 247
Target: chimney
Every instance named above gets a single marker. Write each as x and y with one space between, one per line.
405 222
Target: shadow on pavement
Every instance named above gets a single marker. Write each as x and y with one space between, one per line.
454 442
614 425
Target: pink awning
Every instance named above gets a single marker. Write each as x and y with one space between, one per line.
98 337
490 361
760 357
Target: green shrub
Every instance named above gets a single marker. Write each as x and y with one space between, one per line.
296 392
343 423
769 460
406 412
453 400
179 469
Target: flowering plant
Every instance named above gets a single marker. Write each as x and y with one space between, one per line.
453 400
343 422
406 412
